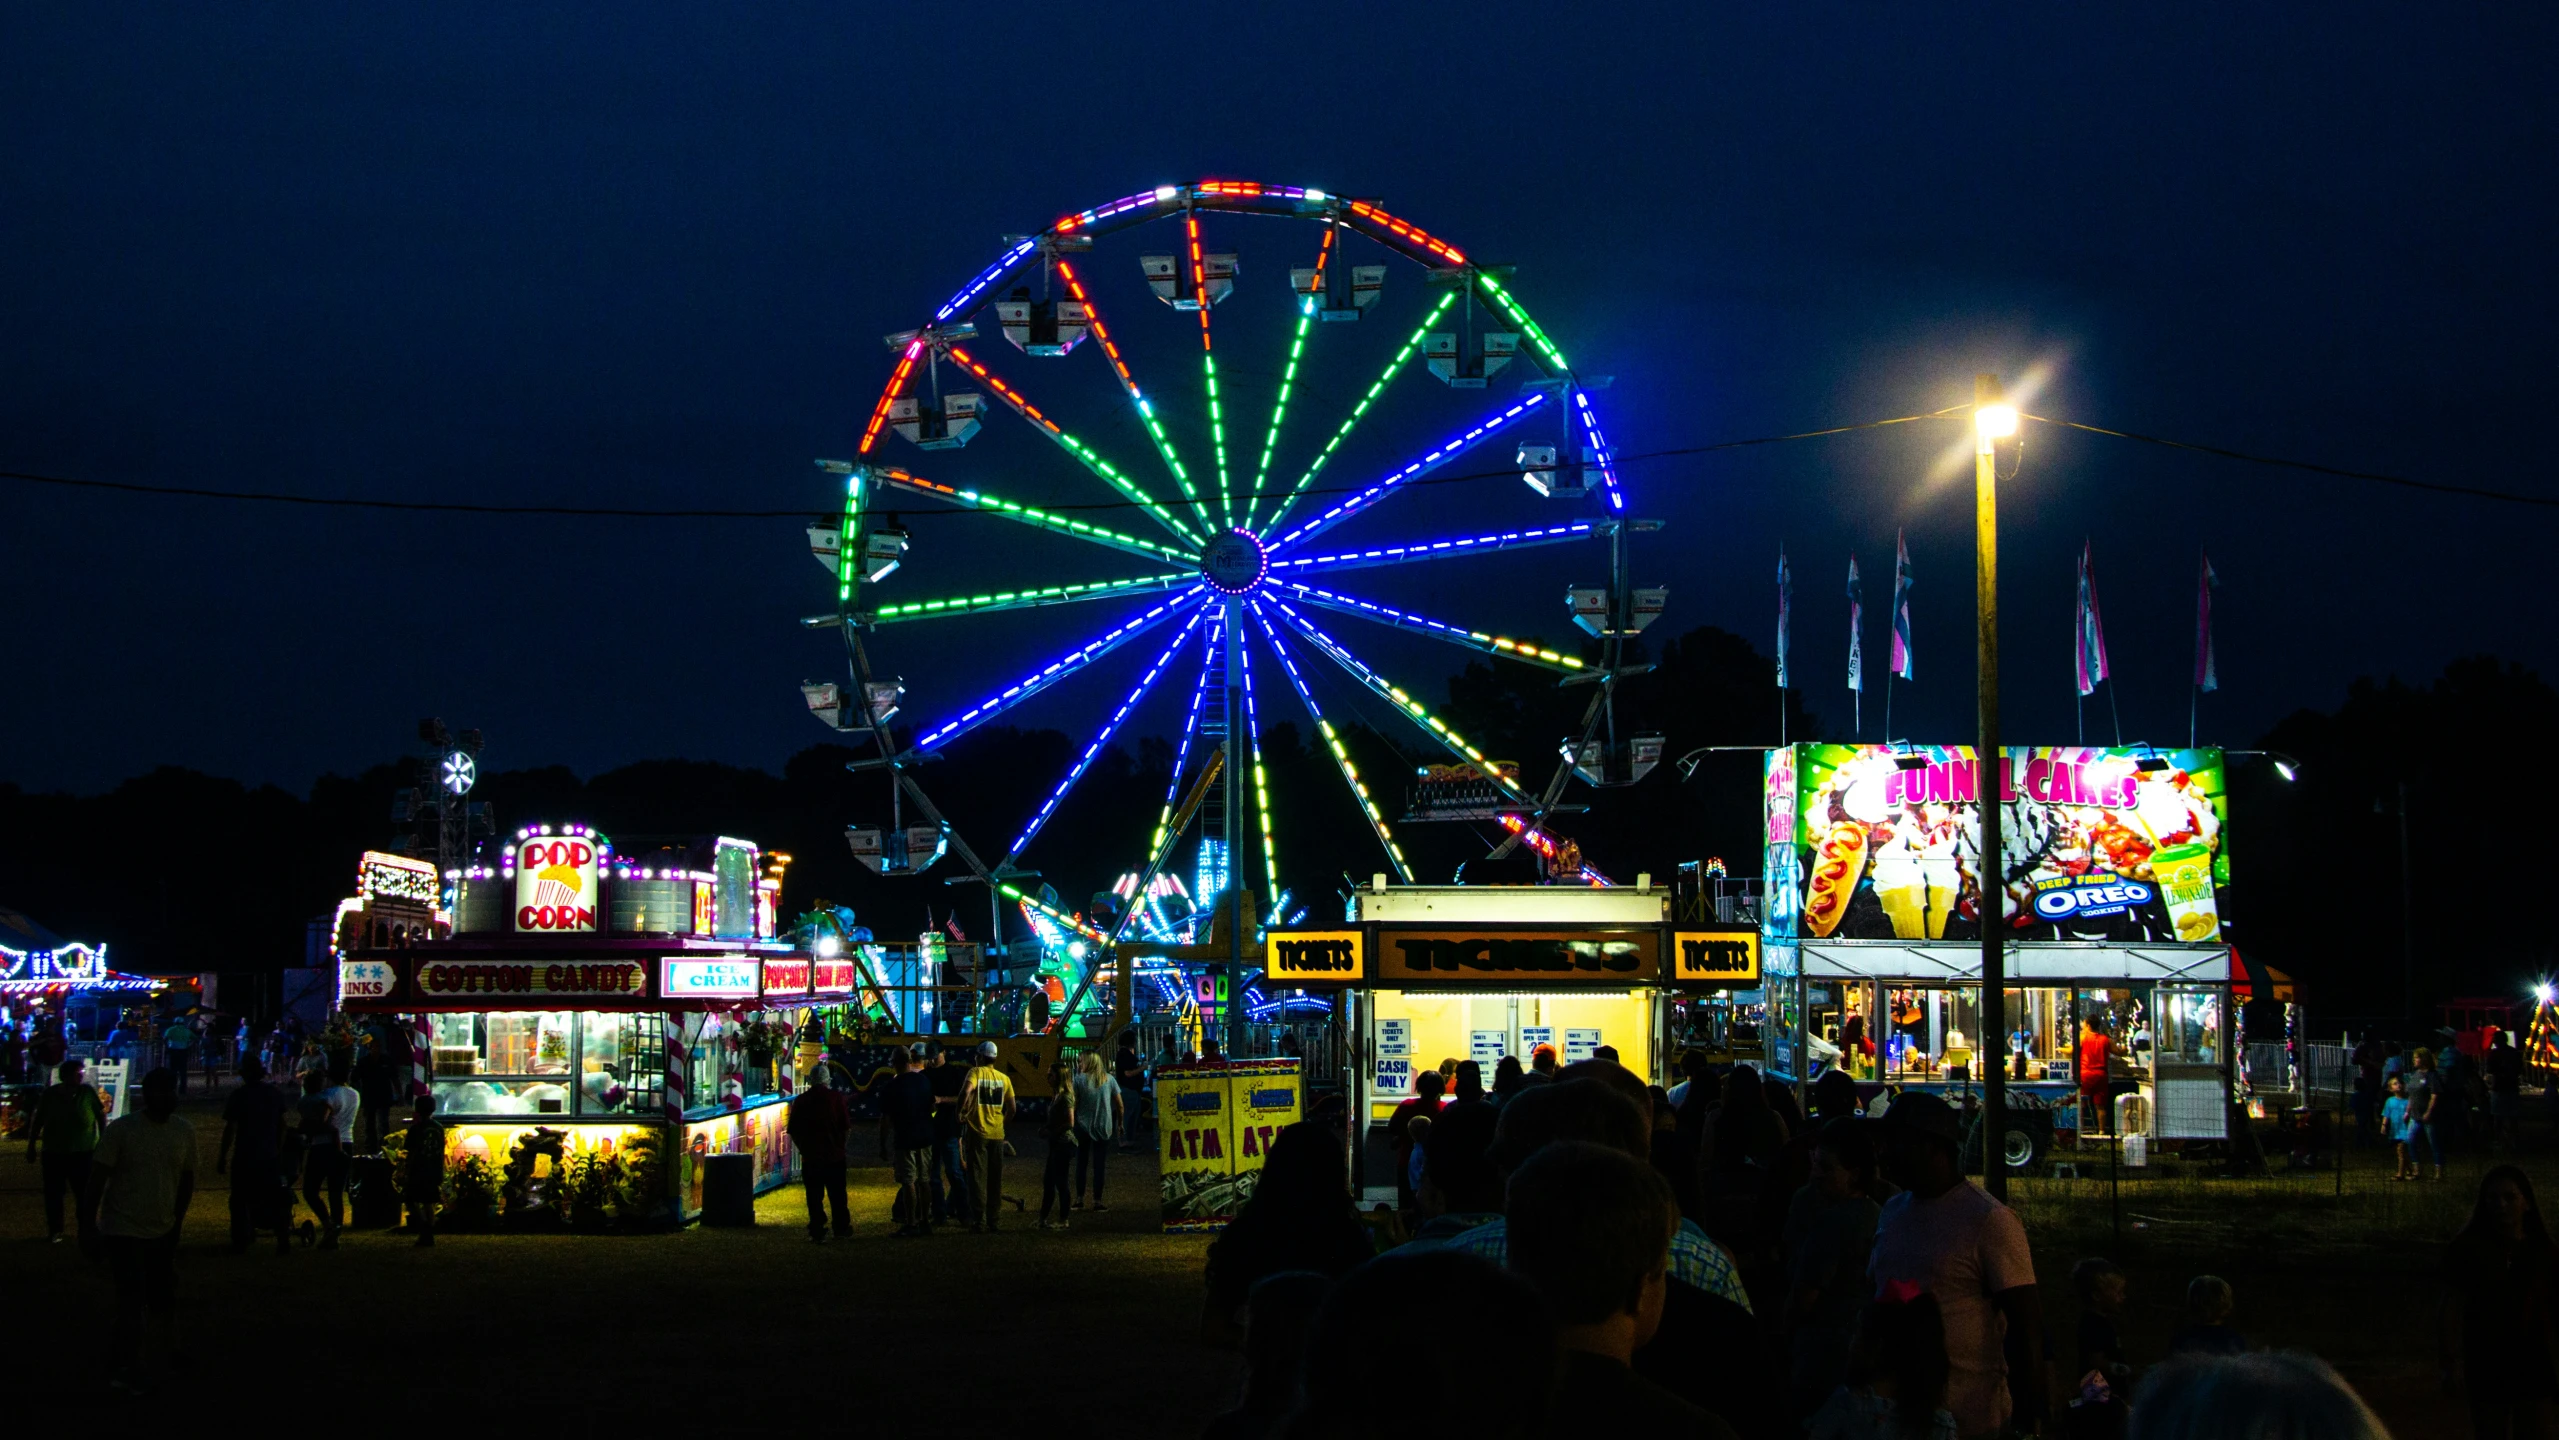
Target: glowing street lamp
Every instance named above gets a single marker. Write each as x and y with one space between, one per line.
1994 419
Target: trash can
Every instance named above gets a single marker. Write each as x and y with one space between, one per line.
373 1197
728 1190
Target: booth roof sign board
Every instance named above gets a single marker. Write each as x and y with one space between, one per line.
1720 959
1506 958
1315 957
710 979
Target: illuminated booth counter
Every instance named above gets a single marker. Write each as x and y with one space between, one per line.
1478 972
2116 871
562 1040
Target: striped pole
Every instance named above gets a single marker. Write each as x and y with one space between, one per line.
421 1054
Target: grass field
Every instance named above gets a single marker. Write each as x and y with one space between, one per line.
716 1332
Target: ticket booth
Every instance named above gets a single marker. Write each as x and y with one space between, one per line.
1434 975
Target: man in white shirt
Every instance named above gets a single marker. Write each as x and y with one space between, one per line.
144 1176
1947 1236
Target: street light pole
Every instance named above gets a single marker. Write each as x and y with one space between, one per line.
1993 418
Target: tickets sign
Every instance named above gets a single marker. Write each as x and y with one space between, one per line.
1314 957
1509 959
1724 958
555 884
604 979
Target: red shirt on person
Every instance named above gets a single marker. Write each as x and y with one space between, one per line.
2095 1052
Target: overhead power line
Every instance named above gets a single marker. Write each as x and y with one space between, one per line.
457 507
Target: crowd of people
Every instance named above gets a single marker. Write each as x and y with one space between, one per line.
1706 1261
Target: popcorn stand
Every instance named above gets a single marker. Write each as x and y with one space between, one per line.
597 1026
2115 866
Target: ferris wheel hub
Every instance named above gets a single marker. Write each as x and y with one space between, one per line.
1234 562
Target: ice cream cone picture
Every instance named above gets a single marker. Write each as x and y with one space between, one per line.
1902 889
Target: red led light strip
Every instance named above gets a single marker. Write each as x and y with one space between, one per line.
888 397
1409 233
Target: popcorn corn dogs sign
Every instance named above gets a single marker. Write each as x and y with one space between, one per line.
1886 845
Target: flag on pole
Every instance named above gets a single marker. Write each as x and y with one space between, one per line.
1785 612
1901 607
1856 623
2207 673
2089 633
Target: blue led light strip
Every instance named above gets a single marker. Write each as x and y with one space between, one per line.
1447 450
1599 447
1084 761
1438 730
1056 670
1437 549
1455 634
1340 752
1190 729
1377 387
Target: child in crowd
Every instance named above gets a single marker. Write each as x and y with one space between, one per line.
2207 1330
2105 1376
1898 1385
2394 1123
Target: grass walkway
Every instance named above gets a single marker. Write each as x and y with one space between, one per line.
703 1332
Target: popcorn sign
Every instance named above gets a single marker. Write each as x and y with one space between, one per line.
555 884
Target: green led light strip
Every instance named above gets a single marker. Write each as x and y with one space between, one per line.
1519 317
1279 407
1411 344
1032 515
1019 599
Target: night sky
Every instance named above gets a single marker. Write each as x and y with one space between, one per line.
645 255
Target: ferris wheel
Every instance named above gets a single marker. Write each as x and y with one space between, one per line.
1225 569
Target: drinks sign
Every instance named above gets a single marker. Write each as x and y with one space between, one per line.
555 885
366 979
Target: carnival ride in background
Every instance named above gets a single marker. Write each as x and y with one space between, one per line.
1237 561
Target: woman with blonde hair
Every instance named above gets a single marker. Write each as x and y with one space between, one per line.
1097 1124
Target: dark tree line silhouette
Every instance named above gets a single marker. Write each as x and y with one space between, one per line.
182 871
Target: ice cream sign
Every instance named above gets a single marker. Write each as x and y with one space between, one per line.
555 883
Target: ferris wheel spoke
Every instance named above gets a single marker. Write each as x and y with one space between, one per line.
1359 408
898 381
1447 450
1073 662
1021 514
1190 732
1288 377
1476 640
1021 599
1599 448
1120 716
1333 743
1261 780
1084 454
1128 382
1208 363
1413 710
1434 549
